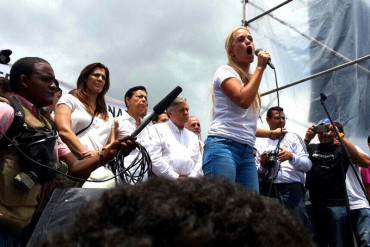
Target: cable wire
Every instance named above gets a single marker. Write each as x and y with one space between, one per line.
141 148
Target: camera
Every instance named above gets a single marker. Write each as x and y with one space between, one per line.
320 129
272 158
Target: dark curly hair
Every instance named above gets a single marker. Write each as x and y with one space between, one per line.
188 212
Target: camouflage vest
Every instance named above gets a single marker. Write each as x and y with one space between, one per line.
17 206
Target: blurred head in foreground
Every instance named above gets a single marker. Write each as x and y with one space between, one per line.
188 212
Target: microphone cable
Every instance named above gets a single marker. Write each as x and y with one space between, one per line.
135 172
276 151
20 151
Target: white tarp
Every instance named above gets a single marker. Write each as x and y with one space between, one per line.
308 36
4 70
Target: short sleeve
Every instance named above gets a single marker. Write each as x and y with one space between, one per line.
224 72
365 173
6 117
69 100
62 148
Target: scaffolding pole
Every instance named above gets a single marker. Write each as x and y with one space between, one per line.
244 2
341 66
266 12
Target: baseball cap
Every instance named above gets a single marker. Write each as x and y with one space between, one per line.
325 121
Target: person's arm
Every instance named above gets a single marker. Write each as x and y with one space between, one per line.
83 168
244 95
6 116
197 170
357 157
63 123
159 165
310 134
113 132
297 158
261 161
272 134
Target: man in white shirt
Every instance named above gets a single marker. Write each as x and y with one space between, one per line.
136 100
358 203
284 178
174 150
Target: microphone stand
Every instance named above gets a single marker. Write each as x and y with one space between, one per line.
322 100
343 173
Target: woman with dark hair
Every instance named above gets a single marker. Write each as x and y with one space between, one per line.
82 118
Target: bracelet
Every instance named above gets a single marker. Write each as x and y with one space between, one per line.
341 135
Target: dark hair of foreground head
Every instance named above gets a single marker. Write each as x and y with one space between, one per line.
189 212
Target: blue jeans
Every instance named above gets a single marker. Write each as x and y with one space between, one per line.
360 219
331 226
8 239
231 160
292 195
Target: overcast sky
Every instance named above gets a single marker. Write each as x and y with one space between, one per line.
164 43
159 44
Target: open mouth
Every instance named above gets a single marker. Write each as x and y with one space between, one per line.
249 50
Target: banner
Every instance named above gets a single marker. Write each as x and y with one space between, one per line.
4 70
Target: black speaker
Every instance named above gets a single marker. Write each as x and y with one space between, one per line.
59 214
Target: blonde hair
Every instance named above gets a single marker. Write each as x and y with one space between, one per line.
244 75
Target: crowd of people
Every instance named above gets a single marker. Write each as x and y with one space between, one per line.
46 134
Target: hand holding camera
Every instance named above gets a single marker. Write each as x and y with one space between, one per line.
284 155
315 129
269 158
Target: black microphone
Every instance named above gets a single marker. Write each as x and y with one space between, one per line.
164 103
158 109
268 62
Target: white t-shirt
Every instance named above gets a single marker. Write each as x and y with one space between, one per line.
229 120
355 193
93 138
96 136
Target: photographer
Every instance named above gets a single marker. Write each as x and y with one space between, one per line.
326 185
30 149
283 164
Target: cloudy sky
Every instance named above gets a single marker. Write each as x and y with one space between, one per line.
164 43
159 44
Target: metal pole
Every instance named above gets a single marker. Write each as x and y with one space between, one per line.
244 12
336 53
267 12
318 74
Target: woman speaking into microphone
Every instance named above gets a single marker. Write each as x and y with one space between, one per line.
228 150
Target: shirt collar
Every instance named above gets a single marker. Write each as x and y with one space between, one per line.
127 116
26 103
174 127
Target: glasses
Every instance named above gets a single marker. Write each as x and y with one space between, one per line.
280 118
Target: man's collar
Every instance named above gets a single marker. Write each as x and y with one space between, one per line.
26 103
127 116
174 126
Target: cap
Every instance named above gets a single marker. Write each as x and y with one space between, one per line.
325 121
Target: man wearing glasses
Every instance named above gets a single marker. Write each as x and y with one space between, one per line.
282 166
